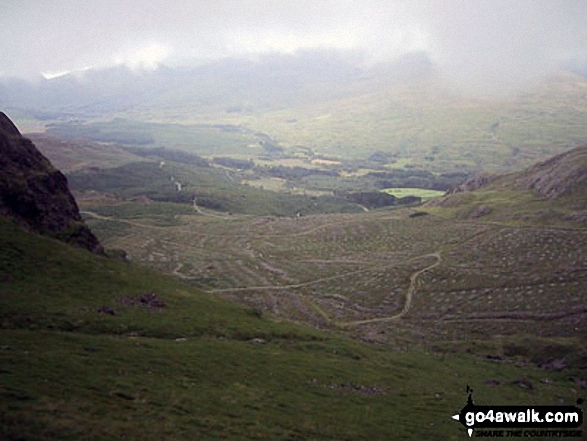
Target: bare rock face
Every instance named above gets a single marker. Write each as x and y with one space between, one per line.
35 193
562 175
476 182
452 197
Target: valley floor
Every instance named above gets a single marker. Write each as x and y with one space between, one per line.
384 276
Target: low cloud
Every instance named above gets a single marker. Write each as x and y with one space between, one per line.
478 44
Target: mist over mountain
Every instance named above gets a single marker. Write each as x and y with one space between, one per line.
270 81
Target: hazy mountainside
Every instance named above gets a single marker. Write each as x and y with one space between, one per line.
427 124
36 194
324 103
271 81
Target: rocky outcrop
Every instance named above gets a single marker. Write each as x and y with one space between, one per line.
475 182
562 175
35 193
577 216
480 212
562 178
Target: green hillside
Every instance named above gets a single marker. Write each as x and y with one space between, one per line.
429 125
94 348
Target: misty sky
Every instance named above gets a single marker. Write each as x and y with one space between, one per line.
471 40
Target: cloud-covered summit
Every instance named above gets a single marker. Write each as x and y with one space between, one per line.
472 41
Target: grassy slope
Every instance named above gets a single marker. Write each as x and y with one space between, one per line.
508 207
69 372
421 120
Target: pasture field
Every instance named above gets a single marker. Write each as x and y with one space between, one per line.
422 193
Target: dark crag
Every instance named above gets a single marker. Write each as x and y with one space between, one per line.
35 193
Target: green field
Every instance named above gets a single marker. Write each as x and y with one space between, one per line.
423 193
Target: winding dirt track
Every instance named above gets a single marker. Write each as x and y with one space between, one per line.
404 311
409 295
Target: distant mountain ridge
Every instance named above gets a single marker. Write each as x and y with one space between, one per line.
270 82
35 193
